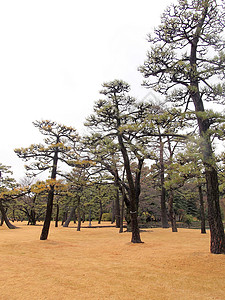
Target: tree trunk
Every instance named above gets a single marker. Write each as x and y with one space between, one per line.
5 218
75 218
2 220
65 215
83 217
100 213
122 212
89 217
117 209
135 228
171 212
170 197
32 217
214 213
202 211
164 218
217 243
78 221
67 222
57 214
78 215
48 216
128 220
136 238
113 212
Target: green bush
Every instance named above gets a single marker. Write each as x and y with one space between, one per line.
188 219
106 217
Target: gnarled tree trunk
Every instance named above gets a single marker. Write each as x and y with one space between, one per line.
5 218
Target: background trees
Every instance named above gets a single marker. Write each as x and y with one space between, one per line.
140 153
9 191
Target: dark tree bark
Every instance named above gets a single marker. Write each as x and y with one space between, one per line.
136 238
217 245
171 212
111 115
2 220
100 212
78 215
65 215
78 220
113 212
117 209
32 217
122 212
57 214
202 211
5 218
197 77
67 222
119 185
164 218
138 180
171 195
48 216
128 219
75 218
83 217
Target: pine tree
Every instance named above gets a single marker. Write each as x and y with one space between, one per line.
186 62
59 145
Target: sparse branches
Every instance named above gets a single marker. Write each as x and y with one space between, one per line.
60 145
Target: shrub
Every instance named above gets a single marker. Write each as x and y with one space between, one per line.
106 217
188 219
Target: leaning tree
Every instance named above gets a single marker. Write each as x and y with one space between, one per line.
186 62
59 146
114 118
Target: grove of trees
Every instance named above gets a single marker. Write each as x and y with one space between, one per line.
141 161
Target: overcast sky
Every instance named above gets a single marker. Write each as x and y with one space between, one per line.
55 55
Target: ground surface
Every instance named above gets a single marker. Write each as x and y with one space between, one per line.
100 263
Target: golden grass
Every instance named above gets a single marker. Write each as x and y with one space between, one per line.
100 263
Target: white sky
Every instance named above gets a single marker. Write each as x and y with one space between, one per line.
55 55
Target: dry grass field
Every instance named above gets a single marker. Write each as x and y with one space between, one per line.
100 263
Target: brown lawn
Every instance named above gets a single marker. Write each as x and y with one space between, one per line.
100 263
